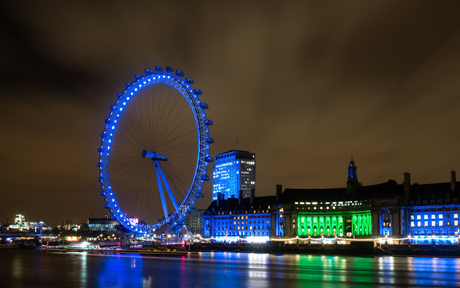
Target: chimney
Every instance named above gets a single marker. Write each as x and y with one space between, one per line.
453 180
253 195
279 191
406 184
240 196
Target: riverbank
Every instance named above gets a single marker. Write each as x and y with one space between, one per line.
354 249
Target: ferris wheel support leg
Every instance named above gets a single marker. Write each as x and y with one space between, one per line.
168 188
160 188
189 233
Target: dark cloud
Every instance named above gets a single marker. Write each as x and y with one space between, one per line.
302 84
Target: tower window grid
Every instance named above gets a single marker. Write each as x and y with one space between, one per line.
234 171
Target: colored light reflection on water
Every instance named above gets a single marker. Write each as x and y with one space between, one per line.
33 268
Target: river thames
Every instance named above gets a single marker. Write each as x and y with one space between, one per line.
36 268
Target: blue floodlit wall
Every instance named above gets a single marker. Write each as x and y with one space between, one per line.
233 171
385 223
230 228
280 224
434 225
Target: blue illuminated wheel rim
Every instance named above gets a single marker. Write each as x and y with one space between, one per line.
130 155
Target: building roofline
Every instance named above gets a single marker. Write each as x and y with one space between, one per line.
234 151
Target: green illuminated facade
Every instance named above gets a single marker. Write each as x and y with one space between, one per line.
341 224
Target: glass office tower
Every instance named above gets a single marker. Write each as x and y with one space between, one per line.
233 171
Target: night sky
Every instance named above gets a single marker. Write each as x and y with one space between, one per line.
303 85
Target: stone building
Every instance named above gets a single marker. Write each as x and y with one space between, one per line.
194 221
427 213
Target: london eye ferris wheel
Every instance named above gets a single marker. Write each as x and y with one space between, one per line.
154 152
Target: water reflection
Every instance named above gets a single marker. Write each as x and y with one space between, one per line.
147 282
83 270
121 271
38 268
386 270
257 265
17 268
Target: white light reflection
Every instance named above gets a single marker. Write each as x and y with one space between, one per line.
386 267
133 263
255 258
257 265
83 270
147 282
410 262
